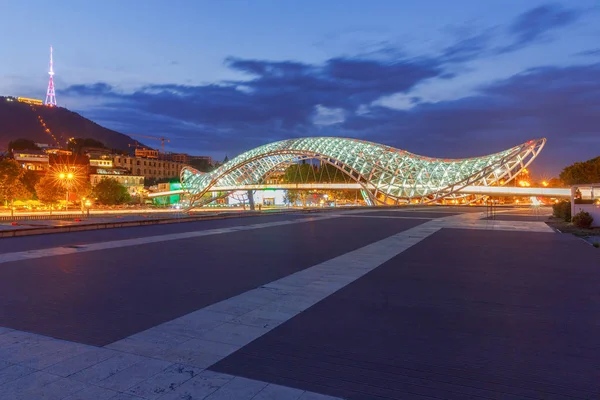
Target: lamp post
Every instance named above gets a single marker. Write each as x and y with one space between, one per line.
66 179
88 204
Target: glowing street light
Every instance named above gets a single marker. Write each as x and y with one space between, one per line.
66 180
88 204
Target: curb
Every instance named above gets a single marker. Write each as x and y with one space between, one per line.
111 225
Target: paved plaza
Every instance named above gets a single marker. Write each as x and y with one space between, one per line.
409 303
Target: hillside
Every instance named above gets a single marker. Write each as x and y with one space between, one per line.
19 120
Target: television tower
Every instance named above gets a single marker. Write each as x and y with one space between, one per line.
50 96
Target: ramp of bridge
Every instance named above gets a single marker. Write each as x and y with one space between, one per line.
467 190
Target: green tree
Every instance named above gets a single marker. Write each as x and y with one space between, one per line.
11 186
22 144
111 192
582 172
49 191
82 189
300 173
291 196
326 173
555 183
30 179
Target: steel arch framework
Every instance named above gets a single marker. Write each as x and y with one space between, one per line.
387 175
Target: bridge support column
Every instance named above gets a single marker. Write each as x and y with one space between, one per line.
251 199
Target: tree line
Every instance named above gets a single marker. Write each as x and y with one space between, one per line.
17 183
582 172
311 173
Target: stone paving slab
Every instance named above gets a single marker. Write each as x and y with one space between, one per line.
104 374
491 314
415 213
129 288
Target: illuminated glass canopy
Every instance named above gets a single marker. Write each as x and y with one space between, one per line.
386 174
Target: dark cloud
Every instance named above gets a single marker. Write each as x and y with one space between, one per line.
527 29
340 83
262 68
94 89
278 95
591 53
533 25
469 47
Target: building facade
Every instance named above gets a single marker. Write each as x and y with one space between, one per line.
32 160
133 183
146 153
147 167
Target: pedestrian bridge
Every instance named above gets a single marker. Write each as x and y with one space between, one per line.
384 175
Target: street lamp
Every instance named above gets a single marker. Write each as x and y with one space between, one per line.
88 204
66 179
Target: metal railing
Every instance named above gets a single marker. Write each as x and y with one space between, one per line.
34 217
490 209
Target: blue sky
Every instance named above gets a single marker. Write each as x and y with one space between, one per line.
440 78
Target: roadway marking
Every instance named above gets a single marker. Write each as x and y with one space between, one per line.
83 248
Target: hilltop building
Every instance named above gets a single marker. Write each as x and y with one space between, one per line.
102 167
32 160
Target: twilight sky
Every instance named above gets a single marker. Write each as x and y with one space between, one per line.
439 78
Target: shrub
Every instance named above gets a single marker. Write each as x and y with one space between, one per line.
562 210
583 220
596 245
